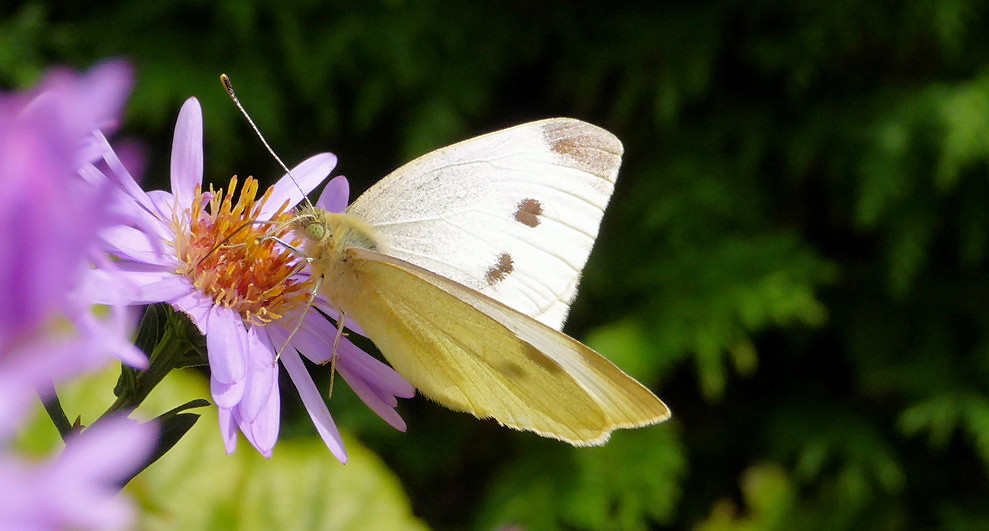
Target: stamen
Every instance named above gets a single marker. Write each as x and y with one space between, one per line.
236 261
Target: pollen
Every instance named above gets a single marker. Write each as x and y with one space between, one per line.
234 259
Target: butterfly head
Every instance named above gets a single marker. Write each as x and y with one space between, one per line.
311 223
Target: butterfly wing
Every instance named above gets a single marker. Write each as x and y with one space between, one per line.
512 214
472 353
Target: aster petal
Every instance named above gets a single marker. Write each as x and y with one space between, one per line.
164 290
165 203
108 450
226 340
133 244
307 175
336 195
187 152
123 178
226 395
125 210
312 344
132 155
13 408
38 266
93 149
262 376
134 287
264 428
17 500
197 306
24 367
80 487
113 332
92 175
163 200
324 306
314 403
382 405
104 88
130 355
228 429
85 102
101 286
372 369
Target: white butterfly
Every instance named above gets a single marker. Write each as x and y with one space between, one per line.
461 266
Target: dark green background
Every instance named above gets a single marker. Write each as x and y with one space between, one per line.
794 259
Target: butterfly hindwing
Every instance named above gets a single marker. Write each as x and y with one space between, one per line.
472 353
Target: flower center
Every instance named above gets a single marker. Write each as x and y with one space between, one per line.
233 259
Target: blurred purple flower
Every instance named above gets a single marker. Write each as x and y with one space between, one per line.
49 329
244 292
79 488
51 222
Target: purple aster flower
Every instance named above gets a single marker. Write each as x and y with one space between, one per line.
78 489
50 220
243 291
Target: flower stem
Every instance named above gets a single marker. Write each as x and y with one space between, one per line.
164 335
54 408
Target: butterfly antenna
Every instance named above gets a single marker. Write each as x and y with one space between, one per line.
228 86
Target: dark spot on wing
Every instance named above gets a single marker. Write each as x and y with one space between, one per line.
528 211
512 369
541 359
500 270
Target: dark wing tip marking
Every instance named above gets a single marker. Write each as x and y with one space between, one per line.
585 147
500 270
528 211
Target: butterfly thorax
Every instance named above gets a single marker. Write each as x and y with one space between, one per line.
328 232
327 237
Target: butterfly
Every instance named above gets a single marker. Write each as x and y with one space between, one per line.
461 265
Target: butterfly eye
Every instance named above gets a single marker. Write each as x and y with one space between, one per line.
316 231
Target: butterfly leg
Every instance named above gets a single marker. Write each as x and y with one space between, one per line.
336 345
285 244
302 318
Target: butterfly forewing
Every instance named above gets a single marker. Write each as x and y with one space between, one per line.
512 214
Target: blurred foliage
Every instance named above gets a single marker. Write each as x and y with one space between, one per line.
795 257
